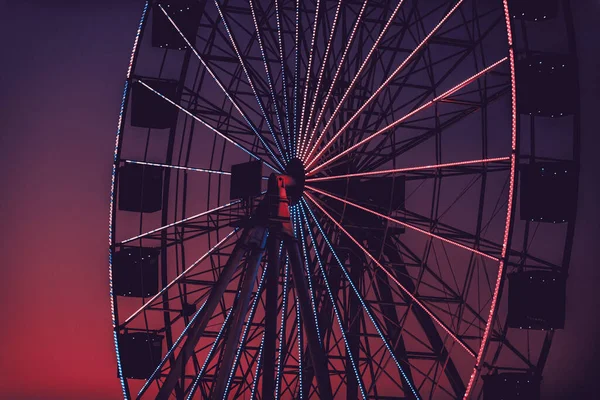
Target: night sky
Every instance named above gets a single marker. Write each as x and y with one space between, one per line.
61 79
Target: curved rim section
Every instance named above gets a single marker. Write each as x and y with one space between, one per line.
112 207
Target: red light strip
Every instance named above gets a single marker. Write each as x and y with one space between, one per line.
409 169
392 277
303 155
404 224
384 84
404 118
174 281
494 305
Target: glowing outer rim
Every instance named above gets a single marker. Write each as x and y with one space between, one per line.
509 212
124 386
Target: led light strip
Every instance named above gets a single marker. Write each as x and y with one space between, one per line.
304 134
283 80
282 328
355 289
218 82
332 85
180 221
171 350
511 193
243 65
409 169
174 281
392 277
308 72
337 313
268 74
255 379
210 171
113 311
439 98
354 80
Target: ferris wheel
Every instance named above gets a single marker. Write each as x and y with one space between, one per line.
343 199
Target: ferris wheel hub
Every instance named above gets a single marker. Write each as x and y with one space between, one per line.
295 170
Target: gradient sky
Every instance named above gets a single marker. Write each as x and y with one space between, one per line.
60 90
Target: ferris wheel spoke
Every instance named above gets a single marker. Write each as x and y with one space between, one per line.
269 79
250 82
385 83
352 83
215 130
210 171
404 224
364 305
182 221
303 155
397 122
308 75
283 79
355 366
179 277
234 344
410 169
390 275
323 61
222 87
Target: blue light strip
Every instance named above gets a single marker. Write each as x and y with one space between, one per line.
268 74
336 311
364 305
210 171
246 329
265 145
308 275
209 355
166 357
112 202
282 328
249 80
255 379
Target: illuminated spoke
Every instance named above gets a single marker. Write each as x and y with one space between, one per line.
268 74
354 80
296 77
255 379
303 156
308 273
210 171
384 84
410 169
246 330
243 65
143 235
335 309
170 352
209 355
178 278
283 80
392 277
212 74
215 130
321 70
404 224
438 99
355 289
299 333
308 72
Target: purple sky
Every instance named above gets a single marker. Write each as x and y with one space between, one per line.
61 80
